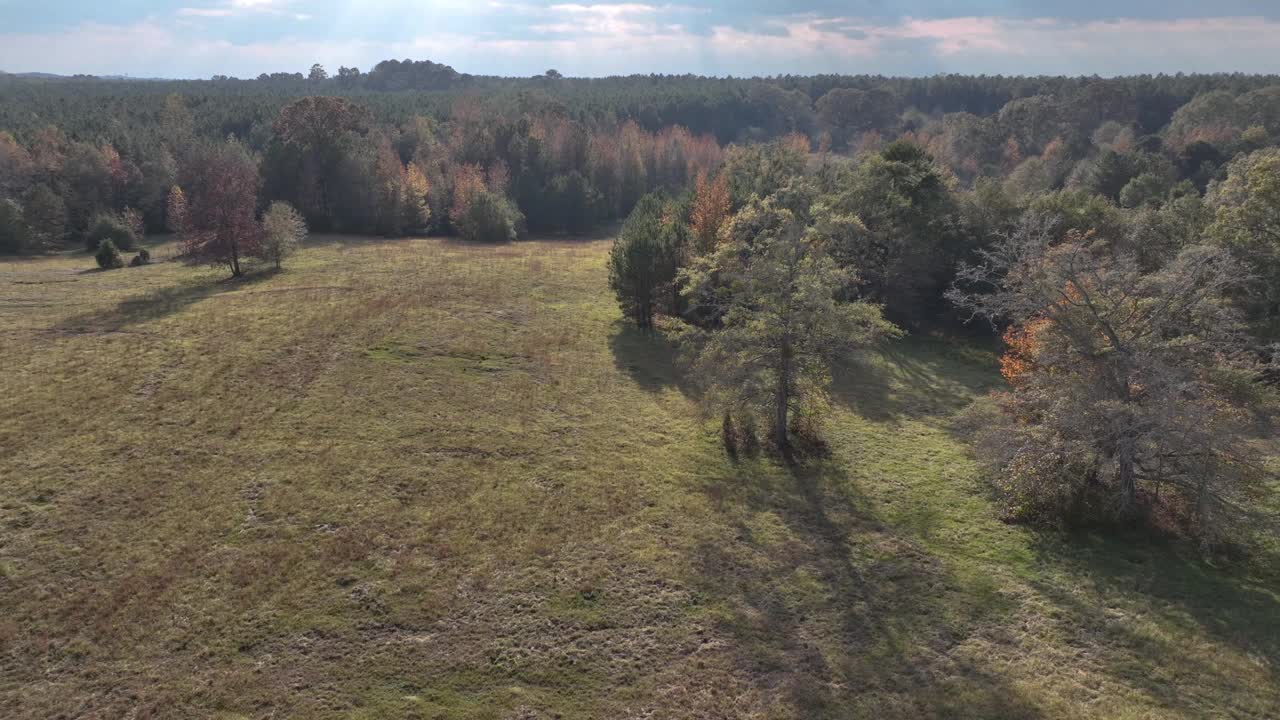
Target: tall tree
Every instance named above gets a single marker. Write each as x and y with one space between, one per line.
15 235
175 216
849 112
320 130
913 235
643 259
221 225
781 324
46 214
1114 375
16 166
1247 206
711 204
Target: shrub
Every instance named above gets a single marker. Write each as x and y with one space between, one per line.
117 229
490 217
108 255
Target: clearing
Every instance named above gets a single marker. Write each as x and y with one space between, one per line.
422 479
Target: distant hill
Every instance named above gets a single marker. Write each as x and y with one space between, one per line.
55 76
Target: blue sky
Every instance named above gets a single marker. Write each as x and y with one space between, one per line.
199 38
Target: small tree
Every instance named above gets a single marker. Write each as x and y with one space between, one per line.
283 229
489 217
108 255
175 217
644 258
781 322
116 228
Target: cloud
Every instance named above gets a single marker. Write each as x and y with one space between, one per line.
259 4
204 12
237 8
593 39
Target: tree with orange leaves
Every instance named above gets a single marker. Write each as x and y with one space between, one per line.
468 181
1115 374
1022 345
711 204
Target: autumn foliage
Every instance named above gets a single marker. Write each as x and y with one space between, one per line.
1022 344
221 225
711 204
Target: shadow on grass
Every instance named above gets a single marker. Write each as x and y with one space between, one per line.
839 615
649 358
913 378
1130 574
158 303
847 614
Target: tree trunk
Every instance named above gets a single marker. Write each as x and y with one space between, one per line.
782 398
1128 481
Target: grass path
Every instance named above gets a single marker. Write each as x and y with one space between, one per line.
421 479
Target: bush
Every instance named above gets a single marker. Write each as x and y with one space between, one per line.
119 230
490 217
108 255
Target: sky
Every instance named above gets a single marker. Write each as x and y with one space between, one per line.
242 38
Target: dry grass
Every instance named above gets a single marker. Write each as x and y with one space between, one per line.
420 479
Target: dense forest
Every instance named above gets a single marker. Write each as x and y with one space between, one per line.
1123 235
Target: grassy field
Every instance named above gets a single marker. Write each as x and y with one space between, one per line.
420 479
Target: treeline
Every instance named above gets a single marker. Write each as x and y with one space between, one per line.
733 109
481 174
1137 339
567 153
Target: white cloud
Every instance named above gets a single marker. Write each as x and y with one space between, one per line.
204 12
233 8
258 4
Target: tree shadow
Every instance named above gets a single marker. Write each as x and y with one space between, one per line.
913 378
1132 573
158 303
650 358
840 615
341 241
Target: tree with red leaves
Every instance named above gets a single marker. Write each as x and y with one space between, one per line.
221 223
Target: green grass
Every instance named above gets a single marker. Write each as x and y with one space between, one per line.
421 479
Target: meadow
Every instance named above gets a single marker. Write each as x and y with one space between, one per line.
424 479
